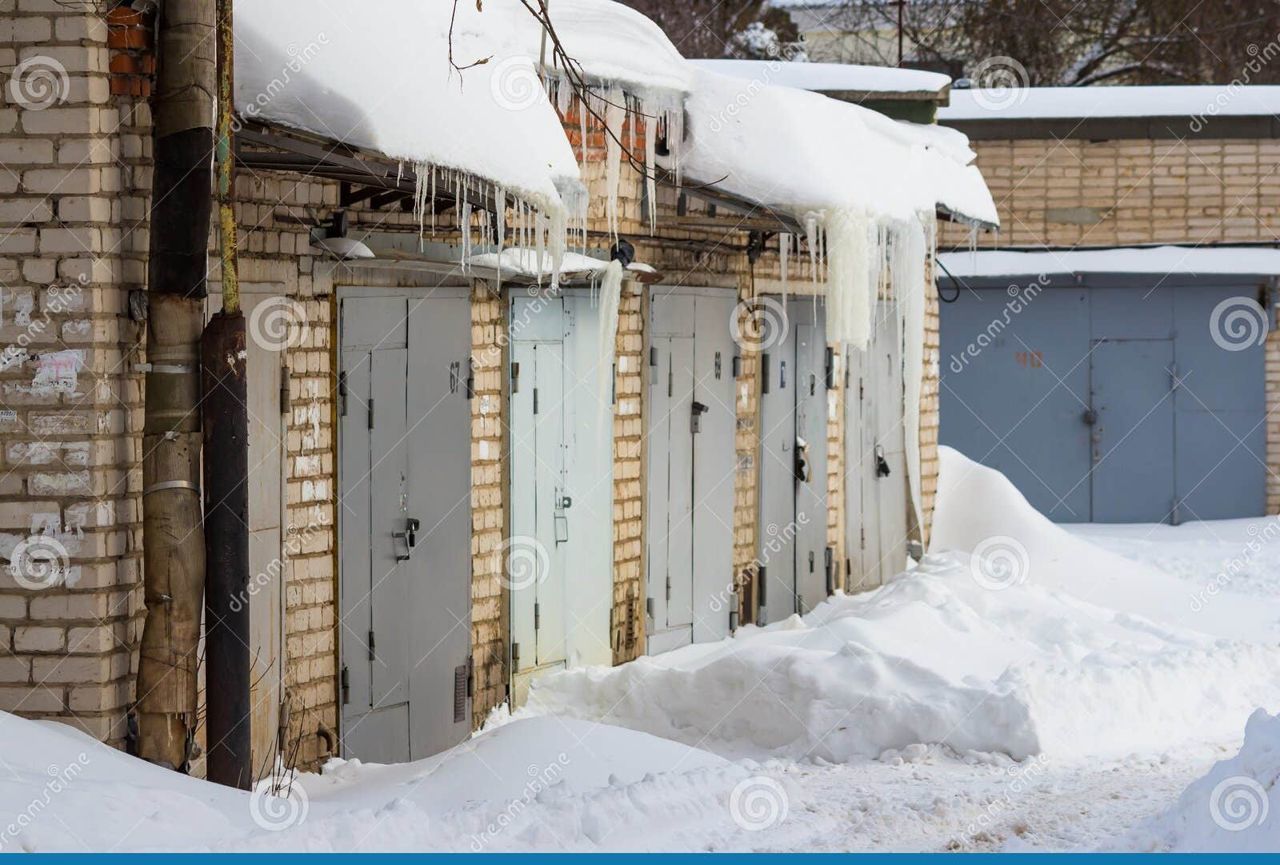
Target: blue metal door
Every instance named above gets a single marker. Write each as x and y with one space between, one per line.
1131 389
1015 387
1177 404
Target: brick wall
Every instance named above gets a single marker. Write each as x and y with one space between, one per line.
1112 193
629 479
69 399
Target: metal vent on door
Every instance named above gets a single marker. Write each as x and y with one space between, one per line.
460 693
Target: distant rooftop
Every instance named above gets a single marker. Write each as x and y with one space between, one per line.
1069 103
843 79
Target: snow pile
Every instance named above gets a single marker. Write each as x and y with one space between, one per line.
1027 640
614 44
545 784
1233 809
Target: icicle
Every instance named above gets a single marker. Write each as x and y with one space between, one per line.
540 237
851 288
466 234
610 298
784 257
614 114
499 216
811 240
651 172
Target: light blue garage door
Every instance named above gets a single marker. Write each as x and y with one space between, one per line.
1111 398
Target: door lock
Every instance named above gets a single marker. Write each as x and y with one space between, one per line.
410 538
802 468
882 464
695 418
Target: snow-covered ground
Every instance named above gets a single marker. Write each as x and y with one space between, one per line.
1024 687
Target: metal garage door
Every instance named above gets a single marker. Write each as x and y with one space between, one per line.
793 466
1110 398
692 424
405 519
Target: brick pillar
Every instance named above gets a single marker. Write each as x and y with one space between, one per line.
929 413
489 598
628 618
746 481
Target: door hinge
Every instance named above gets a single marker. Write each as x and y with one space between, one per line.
342 394
537 616
515 656
762 578
830 378
345 680
284 389
515 378
373 654
668 588
764 372
370 412
471 382
535 400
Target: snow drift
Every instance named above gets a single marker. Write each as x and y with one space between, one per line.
1233 809
548 784
1021 639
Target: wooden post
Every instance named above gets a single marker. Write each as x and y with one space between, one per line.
226 431
173 540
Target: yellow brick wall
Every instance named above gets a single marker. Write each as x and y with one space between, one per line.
489 514
1112 193
629 478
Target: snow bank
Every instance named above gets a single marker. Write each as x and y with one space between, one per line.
381 80
545 784
1077 102
1019 639
1233 809
1248 260
979 511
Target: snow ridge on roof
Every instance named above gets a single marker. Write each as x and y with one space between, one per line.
831 77
1221 260
1044 103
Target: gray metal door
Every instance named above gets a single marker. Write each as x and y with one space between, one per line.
404 523
438 541
883 470
793 472
714 466
692 424
374 475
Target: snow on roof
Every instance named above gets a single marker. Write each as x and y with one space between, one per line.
1221 260
831 77
524 262
381 80
1030 103
616 44
798 151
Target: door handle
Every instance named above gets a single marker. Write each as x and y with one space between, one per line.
882 464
